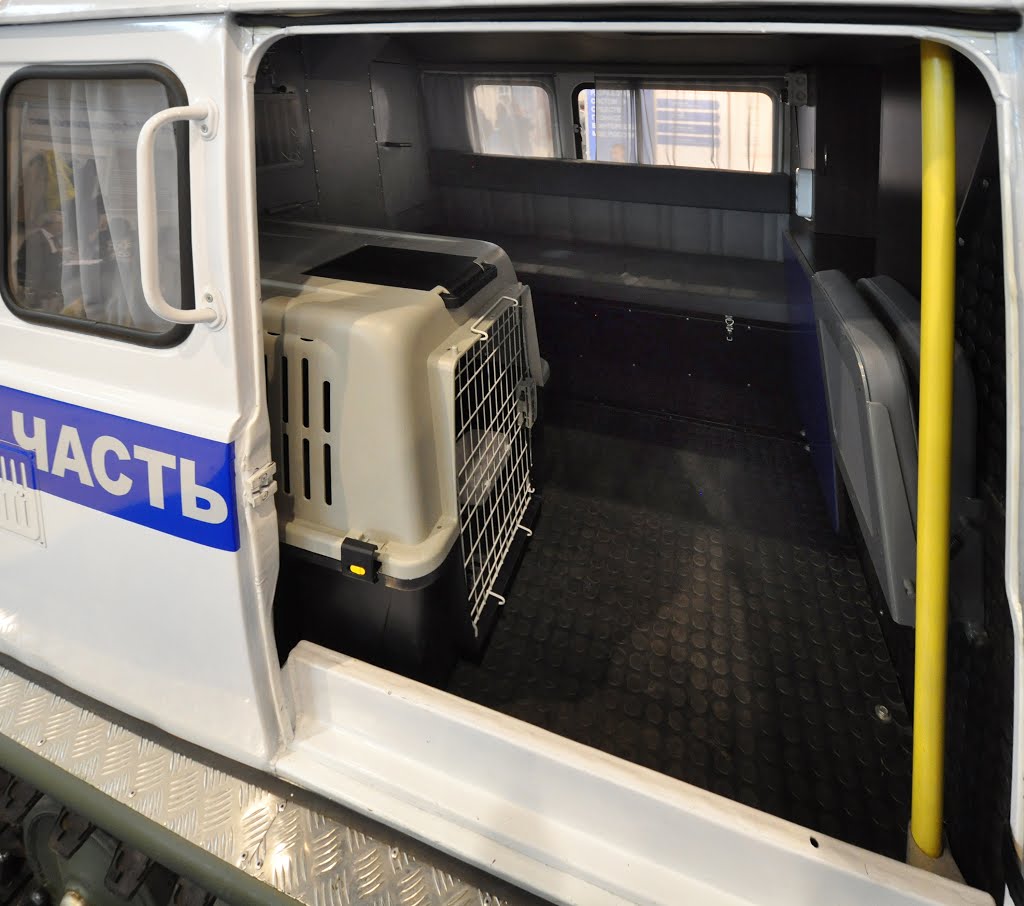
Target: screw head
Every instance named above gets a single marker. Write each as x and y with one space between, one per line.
883 714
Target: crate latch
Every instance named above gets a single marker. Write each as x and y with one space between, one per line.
526 401
359 559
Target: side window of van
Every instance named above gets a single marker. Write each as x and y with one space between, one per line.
513 118
71 222
664 124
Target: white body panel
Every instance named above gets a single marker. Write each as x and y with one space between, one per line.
38 10
189 648
168 630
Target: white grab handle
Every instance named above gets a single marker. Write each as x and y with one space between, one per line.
149 255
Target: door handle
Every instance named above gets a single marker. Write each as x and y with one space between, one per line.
210 313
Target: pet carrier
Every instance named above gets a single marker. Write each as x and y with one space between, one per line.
401 373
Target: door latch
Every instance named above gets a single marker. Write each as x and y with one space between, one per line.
526 402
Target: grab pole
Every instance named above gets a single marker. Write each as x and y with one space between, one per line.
938 248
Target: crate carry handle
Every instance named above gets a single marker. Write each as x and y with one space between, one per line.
145 183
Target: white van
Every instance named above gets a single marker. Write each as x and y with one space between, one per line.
498 452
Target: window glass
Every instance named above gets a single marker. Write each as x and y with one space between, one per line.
709 129
72 222
509 118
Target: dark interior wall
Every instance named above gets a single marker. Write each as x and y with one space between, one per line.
846 150
980 697
364 140
867 161
344 136
898 249
329 79
285 168
401 139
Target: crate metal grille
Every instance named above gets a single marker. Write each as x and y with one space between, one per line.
494 403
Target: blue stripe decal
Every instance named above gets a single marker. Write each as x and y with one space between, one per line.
172 482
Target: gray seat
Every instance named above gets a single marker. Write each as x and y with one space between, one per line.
900 312
870 340
671 281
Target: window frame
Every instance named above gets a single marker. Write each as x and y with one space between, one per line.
177 96
639 83
471 81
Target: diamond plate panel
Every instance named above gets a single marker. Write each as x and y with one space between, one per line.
316 859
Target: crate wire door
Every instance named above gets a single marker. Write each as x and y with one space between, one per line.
494 412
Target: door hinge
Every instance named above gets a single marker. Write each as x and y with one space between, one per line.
261 485
798 92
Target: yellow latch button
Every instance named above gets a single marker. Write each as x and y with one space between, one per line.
359 559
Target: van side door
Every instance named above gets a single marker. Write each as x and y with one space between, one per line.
138 542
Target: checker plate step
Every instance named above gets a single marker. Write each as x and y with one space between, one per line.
315 857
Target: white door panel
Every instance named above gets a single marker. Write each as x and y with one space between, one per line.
148 585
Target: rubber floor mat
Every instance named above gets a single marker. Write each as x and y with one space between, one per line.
684 604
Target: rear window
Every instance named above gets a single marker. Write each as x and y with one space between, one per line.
702 128
513 118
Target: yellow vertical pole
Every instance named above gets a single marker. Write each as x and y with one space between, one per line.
935 428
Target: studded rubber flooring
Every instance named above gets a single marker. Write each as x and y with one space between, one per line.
685 605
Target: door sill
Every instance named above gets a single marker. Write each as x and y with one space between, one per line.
555 817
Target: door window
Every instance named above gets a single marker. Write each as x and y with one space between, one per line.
71 225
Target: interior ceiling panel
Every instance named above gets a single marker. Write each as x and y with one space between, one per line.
598 48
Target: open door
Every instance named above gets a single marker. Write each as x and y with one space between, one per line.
136 517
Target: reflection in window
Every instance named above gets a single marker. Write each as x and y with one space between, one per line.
72 228
637 122
513 119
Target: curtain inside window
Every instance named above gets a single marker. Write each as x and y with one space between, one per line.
489 114
73 235
444 95
610 121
